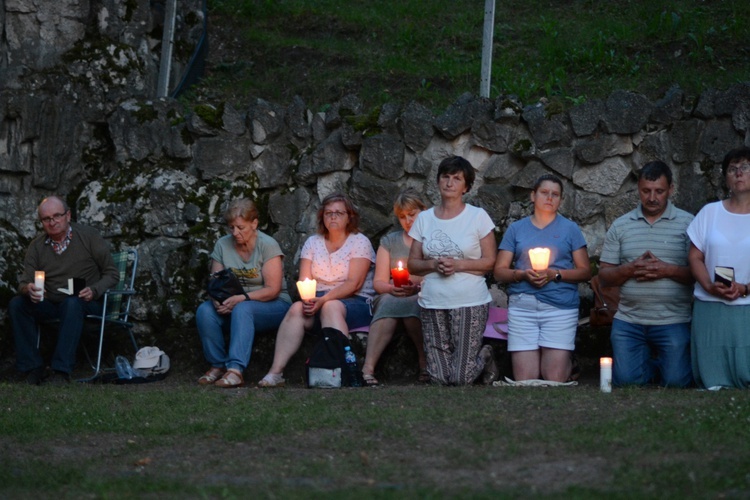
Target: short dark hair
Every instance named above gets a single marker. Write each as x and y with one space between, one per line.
653 170
352 225
734 155
550 178
455 164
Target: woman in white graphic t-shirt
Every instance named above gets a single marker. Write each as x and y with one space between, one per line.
453 248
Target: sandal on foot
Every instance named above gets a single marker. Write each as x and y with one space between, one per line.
232 378
370 380
423 377
272 380
211 376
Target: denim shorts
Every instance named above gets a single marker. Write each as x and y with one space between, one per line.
357 311
533 324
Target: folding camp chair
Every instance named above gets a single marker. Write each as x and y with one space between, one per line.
116 306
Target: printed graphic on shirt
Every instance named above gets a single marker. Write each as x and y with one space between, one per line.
441 245
246 275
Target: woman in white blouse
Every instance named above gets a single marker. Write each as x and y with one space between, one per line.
340 259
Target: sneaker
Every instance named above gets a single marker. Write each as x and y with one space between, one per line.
59 378
272 380
36 376
490 373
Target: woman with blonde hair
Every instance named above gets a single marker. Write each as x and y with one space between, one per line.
396 305
256 259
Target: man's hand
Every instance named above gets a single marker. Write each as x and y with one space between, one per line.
86 295
35 294
648 267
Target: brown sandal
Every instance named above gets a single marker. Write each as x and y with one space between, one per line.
232 378
211 376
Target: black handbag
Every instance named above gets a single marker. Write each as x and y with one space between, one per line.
224 284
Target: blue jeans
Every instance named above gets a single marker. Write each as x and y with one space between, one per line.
25 315
632 347
240 325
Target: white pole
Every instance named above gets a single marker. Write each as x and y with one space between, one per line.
489 28
167 42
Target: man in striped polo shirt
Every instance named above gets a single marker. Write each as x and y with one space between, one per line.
646 254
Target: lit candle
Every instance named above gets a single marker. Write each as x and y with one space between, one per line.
400 275
605 374
39 282
539 258
307 289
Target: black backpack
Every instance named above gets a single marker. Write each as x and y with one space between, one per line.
326 366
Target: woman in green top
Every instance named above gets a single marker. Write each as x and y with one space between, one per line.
396 304
256 259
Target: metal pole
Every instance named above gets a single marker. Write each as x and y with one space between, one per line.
167 43
489 28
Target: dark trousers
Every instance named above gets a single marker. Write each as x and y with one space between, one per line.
25 316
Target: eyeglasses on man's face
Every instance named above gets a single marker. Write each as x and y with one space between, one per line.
334 215
736 169
53 218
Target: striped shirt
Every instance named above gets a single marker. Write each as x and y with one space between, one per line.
658 302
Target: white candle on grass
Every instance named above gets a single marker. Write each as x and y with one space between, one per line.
605 374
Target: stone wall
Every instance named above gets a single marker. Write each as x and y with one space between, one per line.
162 174
156 174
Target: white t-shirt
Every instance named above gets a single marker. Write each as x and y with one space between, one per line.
332 269
459 238
724 239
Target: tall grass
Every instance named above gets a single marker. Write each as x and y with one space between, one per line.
402 50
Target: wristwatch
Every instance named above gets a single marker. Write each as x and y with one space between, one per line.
558 277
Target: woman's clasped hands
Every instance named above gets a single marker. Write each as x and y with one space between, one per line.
446 266
229 304
406 290
536 278
310 307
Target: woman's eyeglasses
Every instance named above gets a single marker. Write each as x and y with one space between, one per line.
334 215
736 169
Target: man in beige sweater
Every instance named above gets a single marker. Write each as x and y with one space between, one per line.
65 251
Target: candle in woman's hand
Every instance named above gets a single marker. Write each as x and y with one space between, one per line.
539 258
39 283
400 275
307 288
605 374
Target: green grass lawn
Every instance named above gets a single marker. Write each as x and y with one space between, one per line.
403 50
175 439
